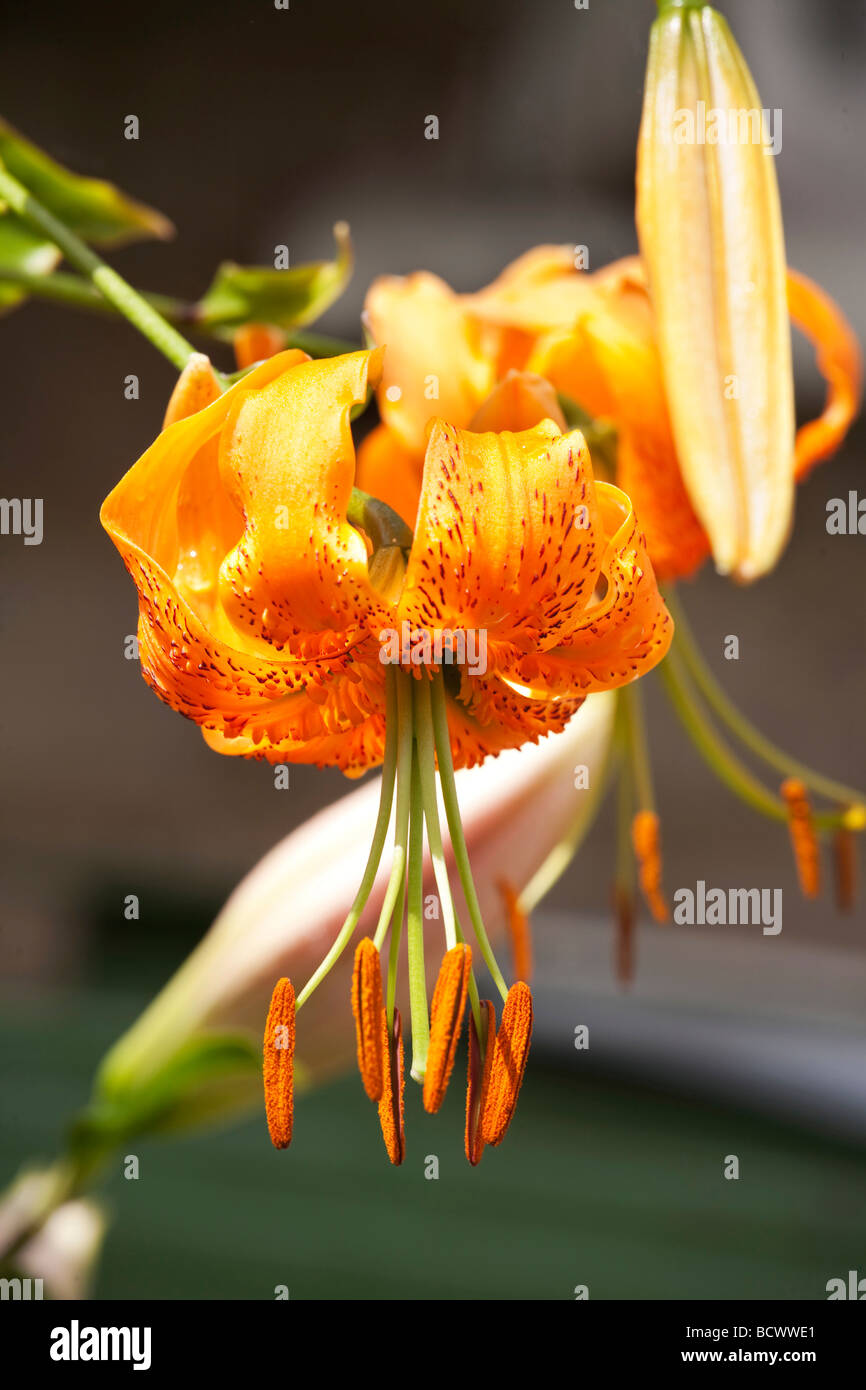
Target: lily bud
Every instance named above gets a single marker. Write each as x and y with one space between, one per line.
710 231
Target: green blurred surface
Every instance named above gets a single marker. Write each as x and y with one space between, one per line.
597 1183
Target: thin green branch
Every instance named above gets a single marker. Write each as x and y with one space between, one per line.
112 286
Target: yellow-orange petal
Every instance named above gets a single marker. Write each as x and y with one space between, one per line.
519 401
676 542
387 469
367 1010
195 388
619 637
538 292
215 647
509 1063
446 1020
298 576
255 342
478 1080
435 361
279 1056
646 839
508 538
391 1115
804 840
839 361
609 362
517 921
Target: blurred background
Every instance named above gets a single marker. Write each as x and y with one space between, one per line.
261 127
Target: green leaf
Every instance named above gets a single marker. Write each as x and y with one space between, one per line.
92 208
212 1074
283 298
21 249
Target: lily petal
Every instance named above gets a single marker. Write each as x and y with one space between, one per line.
435 362
839 360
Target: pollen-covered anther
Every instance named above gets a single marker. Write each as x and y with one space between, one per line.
519 930
446 1020
646 839
367 1009
509 1063
279 1060
804 840
478 1079
391 1116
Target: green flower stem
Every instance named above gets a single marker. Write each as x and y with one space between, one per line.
626 874
712 748
455 828
634 734
427 773
112 286
554 866
394 952
719 757
686 646
474 997
78 293
383 820
397 880
415 930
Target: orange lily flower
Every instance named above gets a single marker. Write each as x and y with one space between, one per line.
593 338
553 337
298 620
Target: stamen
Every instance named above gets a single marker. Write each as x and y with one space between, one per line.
845 856
391 1103
478 1080
446 1020
646 838
367 1009
804 841
509 1063
517 921
279 1055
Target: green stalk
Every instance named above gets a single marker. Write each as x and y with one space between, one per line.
427 772
383 819
719 757
415 931
112 286
78 293
687 648
634 730
455 828
397 880
551 869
